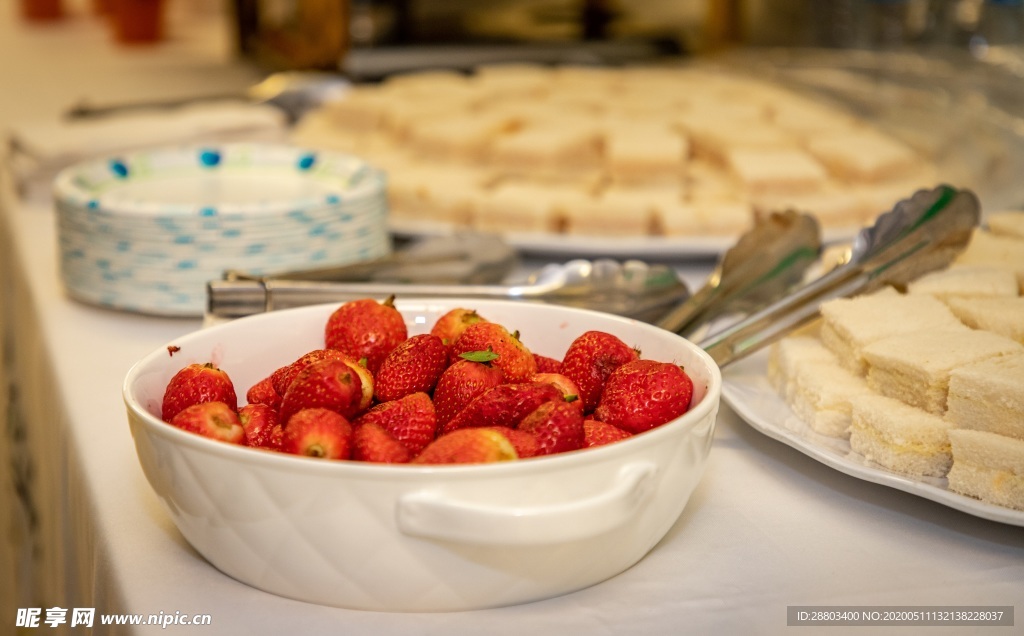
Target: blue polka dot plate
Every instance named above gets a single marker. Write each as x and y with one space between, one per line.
145 231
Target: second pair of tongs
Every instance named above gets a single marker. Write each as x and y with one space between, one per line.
763 265
921 234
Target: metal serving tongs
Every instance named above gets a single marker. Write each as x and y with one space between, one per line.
459 258
764 264
630 288
293 92
921 234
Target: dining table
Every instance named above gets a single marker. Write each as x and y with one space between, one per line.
771 540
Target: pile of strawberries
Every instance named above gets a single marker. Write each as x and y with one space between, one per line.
468 391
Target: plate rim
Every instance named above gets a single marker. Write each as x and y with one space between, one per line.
347 179
704 247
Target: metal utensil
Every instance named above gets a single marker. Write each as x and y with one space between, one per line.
632 288
767 261
294 92
459 258
919 235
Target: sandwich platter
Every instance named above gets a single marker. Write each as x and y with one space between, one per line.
547 156
747 391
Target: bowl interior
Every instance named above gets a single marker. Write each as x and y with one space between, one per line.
250 348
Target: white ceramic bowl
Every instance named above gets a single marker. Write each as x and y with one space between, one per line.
419 538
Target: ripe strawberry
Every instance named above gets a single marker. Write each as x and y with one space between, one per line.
366 329
413 366
282 377
318 432
366 382
589 361
525 443
597 433
514 359
261 426
504 405
451 325
460 383
547 364
195 384
371 443
330 384
263 392
215 420
411 420
643 394
558 427
468 446
570 391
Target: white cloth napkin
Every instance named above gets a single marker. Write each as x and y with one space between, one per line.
38 150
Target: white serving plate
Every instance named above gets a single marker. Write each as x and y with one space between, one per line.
569 245
622 247
747 391
419 538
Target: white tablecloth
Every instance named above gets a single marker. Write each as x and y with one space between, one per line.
766 529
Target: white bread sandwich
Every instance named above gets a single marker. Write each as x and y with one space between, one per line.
861 155
635 153
525 206
989 396
779 170
915 367
988 466
620 211
902 438
787 355
822 395
548 149
1002 315
1007 223
973 281
987 248
851 324
716 216
436 194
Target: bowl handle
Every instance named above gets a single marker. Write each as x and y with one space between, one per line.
434 515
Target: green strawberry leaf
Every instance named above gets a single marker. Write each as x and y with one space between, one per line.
480 356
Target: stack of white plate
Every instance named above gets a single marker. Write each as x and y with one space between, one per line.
146 231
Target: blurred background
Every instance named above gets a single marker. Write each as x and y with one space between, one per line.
369 39
373 37
914 67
